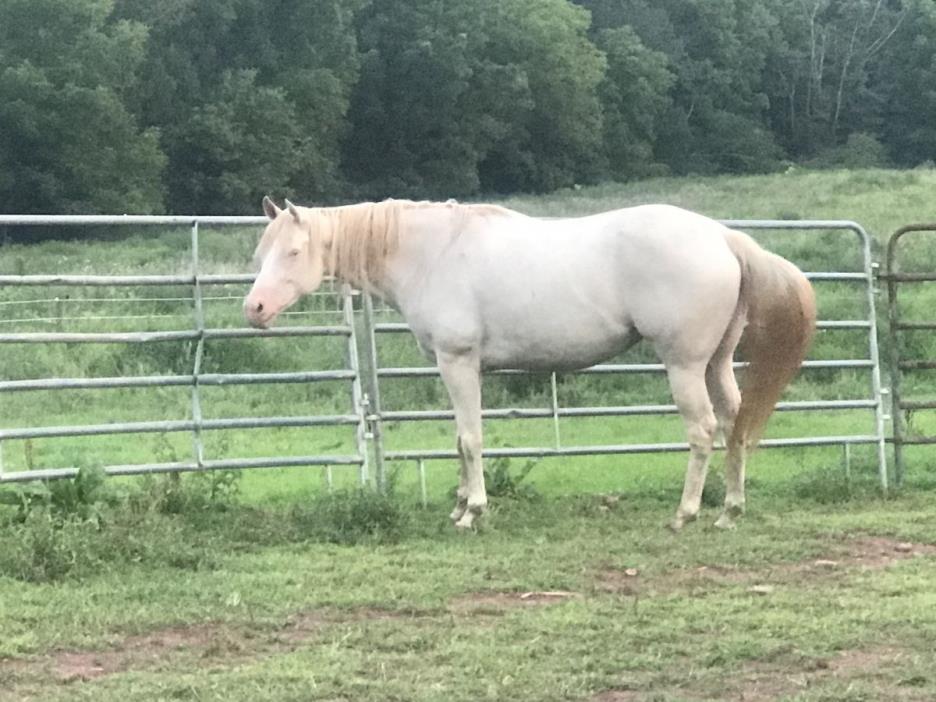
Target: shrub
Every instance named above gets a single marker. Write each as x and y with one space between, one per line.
351 517
861 150
188 494
833 485
82 526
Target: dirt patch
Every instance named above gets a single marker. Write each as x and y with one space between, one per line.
760 681
878 551
207 641
845 556
211 644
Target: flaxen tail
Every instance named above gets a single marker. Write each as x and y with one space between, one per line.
780 308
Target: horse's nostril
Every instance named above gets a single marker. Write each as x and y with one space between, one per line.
259 307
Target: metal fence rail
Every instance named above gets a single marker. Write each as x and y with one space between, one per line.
361 332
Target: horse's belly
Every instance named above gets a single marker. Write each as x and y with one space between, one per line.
567 348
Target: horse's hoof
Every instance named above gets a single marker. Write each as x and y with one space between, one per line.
468 519
679 521
466 522
728 516
457 513
726 522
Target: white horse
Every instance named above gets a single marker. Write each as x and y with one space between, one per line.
484 287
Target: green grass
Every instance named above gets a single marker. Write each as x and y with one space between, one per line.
880 200
271 615
267 587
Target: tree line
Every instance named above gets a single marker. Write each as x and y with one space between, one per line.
202 106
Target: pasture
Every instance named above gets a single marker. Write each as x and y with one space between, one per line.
262 586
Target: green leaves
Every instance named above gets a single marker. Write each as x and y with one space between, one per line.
67 142
205 105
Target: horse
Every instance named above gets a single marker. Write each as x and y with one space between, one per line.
484 287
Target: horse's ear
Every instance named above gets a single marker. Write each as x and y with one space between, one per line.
269 207
294 211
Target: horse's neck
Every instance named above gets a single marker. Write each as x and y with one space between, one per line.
423 234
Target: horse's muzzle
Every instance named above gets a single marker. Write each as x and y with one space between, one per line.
256 315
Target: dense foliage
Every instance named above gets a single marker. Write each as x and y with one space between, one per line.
204 105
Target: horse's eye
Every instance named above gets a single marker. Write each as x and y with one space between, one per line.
293 253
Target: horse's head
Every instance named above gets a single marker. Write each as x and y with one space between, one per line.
291 262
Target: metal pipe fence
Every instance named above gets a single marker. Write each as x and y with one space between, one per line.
363 374
198 334
901 358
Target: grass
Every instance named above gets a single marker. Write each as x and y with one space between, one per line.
277 614
265 586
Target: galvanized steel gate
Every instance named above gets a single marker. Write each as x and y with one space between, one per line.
197 379
902 358
366 414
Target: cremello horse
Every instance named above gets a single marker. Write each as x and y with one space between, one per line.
484 287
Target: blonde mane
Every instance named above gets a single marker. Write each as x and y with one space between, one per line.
365 235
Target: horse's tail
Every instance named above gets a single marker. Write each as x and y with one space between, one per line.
779 305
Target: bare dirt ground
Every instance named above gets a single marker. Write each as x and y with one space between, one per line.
845 556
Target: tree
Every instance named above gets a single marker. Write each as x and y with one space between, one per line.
819 75
203 59
634 98
557 140
901 87
414 127
457 97
232 150
717 50
67 142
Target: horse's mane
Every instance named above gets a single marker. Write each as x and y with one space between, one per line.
365 235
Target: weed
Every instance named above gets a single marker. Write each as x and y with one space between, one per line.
81 497
833 485
44 547
713 494
353 516
501 482
78 526
187 494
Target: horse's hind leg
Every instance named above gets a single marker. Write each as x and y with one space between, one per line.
687 383
462 377
723 390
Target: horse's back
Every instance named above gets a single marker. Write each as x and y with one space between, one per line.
566 293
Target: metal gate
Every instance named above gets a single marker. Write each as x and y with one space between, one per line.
904 360
364 374
198 334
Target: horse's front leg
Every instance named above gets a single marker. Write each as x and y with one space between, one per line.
461 373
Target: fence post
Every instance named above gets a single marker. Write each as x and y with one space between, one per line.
373 391
874 354
359 407
896 339
555 408
199 311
